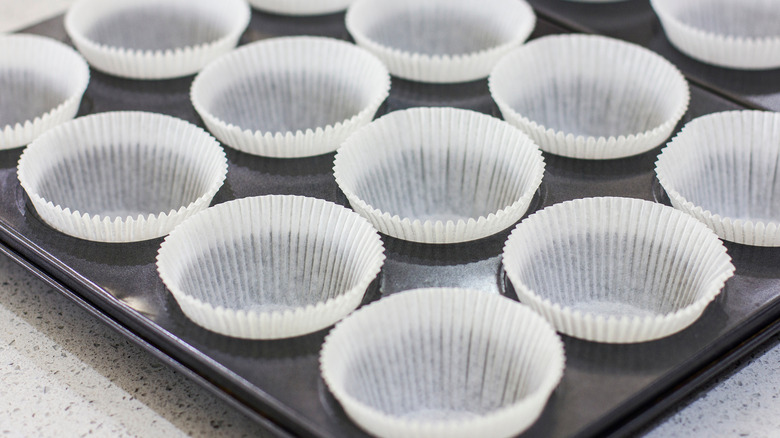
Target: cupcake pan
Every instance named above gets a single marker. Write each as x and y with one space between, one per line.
439 175
724 33
440 41
589 96
153 39
277 383
270 267
285 97
42 82
121 176
616 270
443 363
722 169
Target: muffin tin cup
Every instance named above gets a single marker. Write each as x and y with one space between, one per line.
439 175
301 7
440 41
722 169
590 97
443 363
616 270
42 83
286 97
121 176
270 267
153 39
740 35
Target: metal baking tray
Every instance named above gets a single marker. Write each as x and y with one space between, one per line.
606 389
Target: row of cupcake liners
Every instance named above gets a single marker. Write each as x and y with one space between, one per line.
245 318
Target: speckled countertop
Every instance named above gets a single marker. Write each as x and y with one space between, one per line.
63 373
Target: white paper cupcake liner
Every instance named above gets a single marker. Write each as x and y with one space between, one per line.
722 169
591 97
301 7
440 40
740 34
121 176
41 83
270 267
290 97
446 363
616 270
155 39
439 175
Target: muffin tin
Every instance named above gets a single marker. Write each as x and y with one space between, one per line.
277 383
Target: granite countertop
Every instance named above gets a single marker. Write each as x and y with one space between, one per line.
64 373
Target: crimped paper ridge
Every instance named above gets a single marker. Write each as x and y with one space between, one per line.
301 7
59 64
229 17
722 169
616 270
358 81
409 170
507 23
270 267
722 47
443 363
105 160
627 99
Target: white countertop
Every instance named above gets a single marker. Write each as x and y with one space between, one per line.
64 373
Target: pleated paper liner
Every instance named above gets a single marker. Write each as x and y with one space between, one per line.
121 176
439 175
290 97
155 39
41 82
740 34
271 266
616 270
301 7
440 41
723 170
590 97
443 363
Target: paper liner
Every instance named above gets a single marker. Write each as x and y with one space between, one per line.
286 97
121 176
443 363
42 82
439 175
270 267
440 40
591 97
616 270
155 39
301 7
722 169
736 34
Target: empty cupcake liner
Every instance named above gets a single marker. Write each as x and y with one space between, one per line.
155 39
443 363
439 175
121 176
616 270
42 82
301 7
591 97
723 170
286 97
736 34
270 267
440 40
